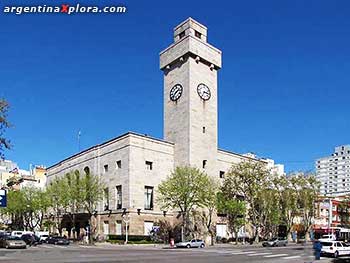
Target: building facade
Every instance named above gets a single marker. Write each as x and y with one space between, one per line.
333 172
133 165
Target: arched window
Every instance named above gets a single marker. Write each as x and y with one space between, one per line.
87 170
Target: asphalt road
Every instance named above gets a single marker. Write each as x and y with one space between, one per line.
109 253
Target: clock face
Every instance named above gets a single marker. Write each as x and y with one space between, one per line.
203 91
176 92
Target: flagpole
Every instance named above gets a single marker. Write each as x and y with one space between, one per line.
79 133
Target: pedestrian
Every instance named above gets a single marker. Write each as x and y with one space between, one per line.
317 249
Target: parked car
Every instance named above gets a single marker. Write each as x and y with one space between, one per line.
335 248
12 242
28 239
43 235
31 240
192 243
275 242
57 240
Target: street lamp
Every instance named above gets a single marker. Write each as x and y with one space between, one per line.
126 220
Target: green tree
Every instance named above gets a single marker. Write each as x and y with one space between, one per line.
343 211
249 179
36 204
184 190
270 215
308 190
27 207
286 189
15 208
210 205
234 209
75 192
4 124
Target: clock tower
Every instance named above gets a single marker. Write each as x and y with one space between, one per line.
190 68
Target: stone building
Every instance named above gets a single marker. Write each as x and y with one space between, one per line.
132 165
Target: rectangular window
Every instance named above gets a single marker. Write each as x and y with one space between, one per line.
222 174
105 168
105 228
106 198
204 164
197 34
149 165
148 197
119 196
118 227
118 164
203 129
148 226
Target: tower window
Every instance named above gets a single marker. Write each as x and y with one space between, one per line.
182 34
204 164
203 129
149 165
105 168
118 164
197 34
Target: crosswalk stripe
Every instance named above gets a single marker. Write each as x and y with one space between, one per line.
259 254
291 257
275 255
243 252
45 246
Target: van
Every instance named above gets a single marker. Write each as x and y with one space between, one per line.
19 233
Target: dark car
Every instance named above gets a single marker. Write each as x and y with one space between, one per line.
56 240
29 239
275 242
12 242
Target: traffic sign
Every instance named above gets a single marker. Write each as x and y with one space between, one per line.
3 198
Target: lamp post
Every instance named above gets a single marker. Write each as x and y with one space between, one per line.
126 220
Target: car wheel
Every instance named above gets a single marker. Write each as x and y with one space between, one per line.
55 243
7 246
202 245
188 246
336 254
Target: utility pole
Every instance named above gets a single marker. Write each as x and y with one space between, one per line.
126 220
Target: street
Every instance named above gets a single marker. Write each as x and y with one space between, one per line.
112 253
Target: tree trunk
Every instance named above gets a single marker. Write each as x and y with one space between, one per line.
256 239
289 236
307 235
236 237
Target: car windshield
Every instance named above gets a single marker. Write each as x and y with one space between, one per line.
12 238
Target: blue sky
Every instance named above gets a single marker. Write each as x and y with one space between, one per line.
283 89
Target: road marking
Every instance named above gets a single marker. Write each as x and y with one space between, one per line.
291 257
243 252
275 255
46 246
259 254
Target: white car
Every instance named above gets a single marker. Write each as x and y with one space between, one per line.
335 248
192 243
330 237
